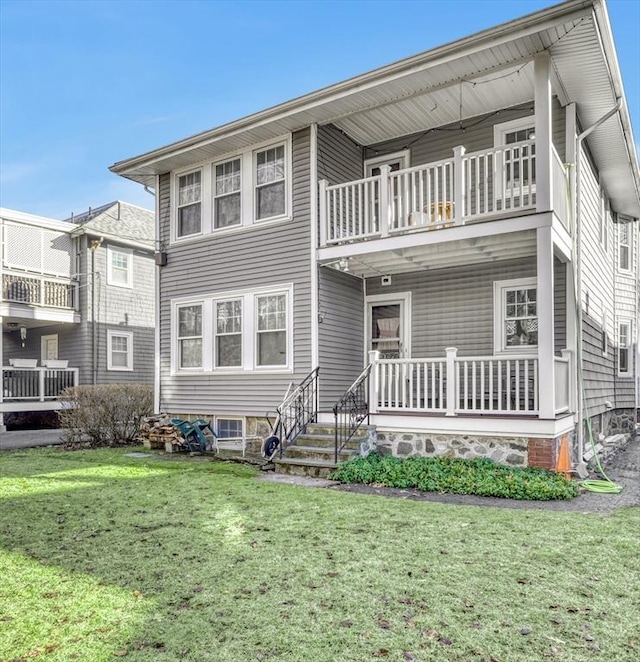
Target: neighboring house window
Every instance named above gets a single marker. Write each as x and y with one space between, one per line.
189 204
229 333
119 267
227 194
624 243
624 348
272 330
234 331
270 183
120 350
515 315
190 336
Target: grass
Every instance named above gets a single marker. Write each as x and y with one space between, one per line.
105 557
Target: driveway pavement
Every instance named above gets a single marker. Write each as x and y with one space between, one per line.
28 439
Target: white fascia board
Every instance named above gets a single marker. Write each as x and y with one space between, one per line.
131 243
31 219
466 46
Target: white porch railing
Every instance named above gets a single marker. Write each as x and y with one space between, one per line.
481 184
39 290
36 384
455 385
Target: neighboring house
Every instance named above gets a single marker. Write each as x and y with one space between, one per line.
464 221
77 303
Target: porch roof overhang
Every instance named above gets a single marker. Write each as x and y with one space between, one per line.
488 70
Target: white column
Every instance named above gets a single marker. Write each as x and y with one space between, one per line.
545 322
374 357
460 186
542 71
452 352
324 220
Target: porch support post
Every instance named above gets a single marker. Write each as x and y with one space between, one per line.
374 357
41 383
542 76
568 355
452 352
547 400
385 206
459 186
324 221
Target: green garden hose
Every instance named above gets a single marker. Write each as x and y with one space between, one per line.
606 486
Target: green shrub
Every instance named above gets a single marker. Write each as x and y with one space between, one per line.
481 477
104 415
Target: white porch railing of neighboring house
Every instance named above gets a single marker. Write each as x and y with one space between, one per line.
472 186
452 385
39 290
36 384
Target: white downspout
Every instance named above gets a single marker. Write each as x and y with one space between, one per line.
577 269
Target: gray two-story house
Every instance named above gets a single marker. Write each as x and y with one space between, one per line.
77 304
449 244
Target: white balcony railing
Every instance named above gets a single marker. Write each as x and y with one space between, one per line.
473 186
36 384
455 385
38 290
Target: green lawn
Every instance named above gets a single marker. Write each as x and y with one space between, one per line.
103 556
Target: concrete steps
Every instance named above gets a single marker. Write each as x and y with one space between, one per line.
313 453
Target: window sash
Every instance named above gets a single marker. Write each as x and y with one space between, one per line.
189 335
120 349
189 203
624 346
229 428
520 317
228 333
271 330
270 182
227 198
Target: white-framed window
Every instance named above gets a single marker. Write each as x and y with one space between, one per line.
189 204
227 194
270 183
119 350
624 246
515 306
234 332
119 266
237 191
625 369
229 429
189 336
271 330
519 160
228 333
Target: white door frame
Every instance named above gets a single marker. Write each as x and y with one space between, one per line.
403 158
402 298
43 346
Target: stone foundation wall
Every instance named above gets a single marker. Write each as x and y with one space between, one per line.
513 451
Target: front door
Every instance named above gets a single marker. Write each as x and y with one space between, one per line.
388 325
50 347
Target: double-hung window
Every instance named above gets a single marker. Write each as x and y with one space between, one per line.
227 194
624 246
228 326
189 211
270 183
516 315
624 348
119 350
271 330
119 267
190 336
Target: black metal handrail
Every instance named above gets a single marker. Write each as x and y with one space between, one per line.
297 410
351 410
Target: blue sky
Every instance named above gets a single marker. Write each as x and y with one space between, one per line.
86 83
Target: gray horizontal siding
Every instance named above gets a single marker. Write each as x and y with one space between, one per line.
341 333
453 307
339 158
559 305
261 256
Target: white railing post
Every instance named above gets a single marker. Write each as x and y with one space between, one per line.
459 185
41 372
324 219
567 354
452 352
385 202
543 109
374 357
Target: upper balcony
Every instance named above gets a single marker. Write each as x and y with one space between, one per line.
490 184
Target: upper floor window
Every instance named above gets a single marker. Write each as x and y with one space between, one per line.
227 194
189 204
624 246
270 183
234 192
515 315
119 266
